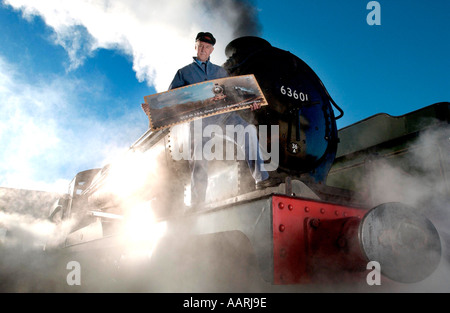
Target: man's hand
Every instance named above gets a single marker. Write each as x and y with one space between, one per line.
255 106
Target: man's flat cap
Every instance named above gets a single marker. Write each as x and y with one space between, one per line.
206 37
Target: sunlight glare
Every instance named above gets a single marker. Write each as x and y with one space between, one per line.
141 230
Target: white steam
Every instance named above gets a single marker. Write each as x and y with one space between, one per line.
424 185
28 232
45 137
425 177
158 35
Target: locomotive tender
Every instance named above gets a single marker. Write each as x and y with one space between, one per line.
315 226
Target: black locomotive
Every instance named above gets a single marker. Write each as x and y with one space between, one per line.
295 233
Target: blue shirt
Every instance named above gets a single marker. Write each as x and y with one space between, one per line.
195 73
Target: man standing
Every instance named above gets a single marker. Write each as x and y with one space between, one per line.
201 69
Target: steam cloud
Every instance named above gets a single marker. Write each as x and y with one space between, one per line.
46 139
158 35
425 187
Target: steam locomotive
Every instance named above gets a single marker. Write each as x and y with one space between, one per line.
312 227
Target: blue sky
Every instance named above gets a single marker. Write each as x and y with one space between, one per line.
74 73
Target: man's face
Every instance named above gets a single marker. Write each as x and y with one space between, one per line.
204 50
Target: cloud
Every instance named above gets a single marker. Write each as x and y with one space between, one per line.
158 35
46 138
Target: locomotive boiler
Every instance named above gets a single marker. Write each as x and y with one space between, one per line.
298 103
301 231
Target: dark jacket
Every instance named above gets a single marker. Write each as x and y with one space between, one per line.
194 73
